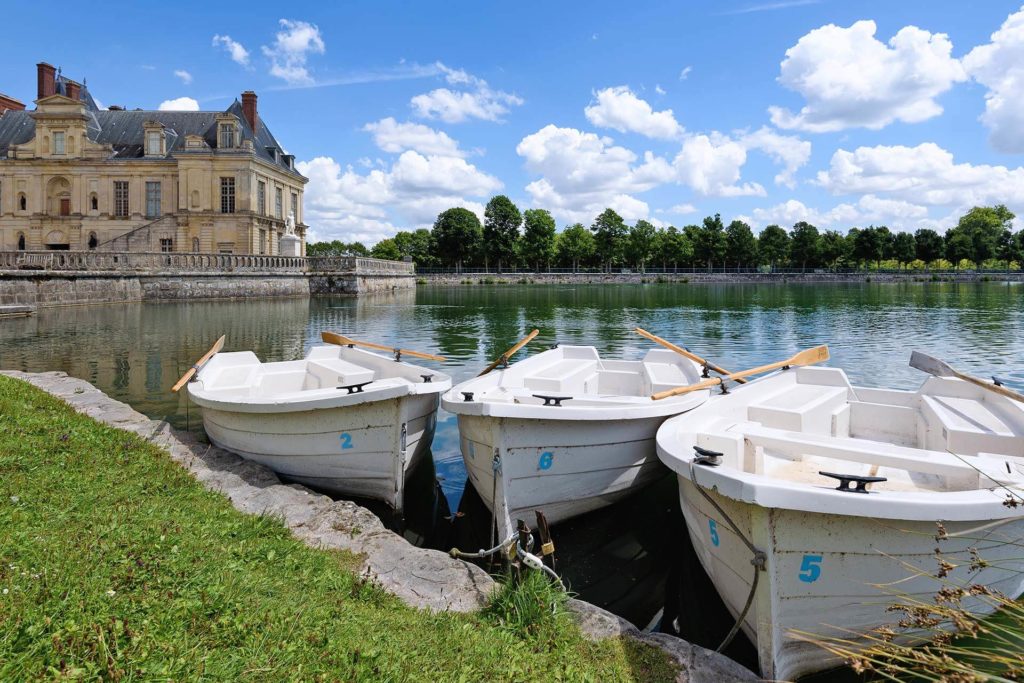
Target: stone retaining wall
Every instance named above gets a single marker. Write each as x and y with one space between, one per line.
682 278
426 579
45 289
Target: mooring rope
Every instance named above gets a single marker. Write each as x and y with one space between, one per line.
759 559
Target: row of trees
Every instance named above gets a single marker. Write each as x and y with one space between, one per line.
509 238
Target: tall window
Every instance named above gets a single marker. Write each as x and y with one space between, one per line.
166 244
261 197
278 203
227 195
263 241
58 142
152 199
295 206
153 142
121 198
227 135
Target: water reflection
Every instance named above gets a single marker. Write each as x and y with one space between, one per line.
135 352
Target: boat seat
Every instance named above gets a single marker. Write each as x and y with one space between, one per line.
801 408
565 376
969 426
663 376
335 372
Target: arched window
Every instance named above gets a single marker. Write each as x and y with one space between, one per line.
21 241
22 202
92 240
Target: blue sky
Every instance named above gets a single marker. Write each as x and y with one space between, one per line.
898 113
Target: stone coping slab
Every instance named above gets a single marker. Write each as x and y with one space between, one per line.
422 578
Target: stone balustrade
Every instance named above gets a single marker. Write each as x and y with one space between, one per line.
157 262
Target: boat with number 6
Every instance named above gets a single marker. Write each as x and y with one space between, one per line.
814 505
566 431
342 420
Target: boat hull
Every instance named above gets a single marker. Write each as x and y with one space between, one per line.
563 468
834 576
361 450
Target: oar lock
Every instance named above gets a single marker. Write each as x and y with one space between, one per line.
706 456
427 378
467 396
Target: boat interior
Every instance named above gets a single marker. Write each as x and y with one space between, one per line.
579 373
326 367
948 435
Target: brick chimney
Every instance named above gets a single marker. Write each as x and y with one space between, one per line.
249 109
73 90
9 103
46 80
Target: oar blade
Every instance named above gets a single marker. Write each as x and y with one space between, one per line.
931 365
334 338
819 354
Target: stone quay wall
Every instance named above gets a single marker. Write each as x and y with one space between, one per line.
705 277
48 279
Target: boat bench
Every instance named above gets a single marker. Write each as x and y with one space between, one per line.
968 426
335 372
665 376
561 376
801 408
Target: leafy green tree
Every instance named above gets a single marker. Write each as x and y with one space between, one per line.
501 230
773 245
709 241
386 249
458 234
610 233
958 246
740 244
419 246
357 249
803 244
640 243
575 244
538 243
904 248
928 245
870 244
984 226
674 247
834 248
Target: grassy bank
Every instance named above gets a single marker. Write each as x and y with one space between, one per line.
116 564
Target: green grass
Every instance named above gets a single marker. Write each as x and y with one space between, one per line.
115 564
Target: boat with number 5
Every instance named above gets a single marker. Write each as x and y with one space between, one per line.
566 431
814 505
341 420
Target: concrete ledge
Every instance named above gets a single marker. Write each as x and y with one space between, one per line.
422 578
16 311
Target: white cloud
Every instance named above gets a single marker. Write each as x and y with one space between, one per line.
582 173
869 209
292 46
621 109
238 53
685 73
344 204
682 209
185 76
179 104
925 174
478 101
790 152
658 89
850 79
710 164
771 6
394 137
999 66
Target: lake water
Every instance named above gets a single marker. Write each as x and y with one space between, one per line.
135 352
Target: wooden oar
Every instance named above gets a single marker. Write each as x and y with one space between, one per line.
503 358
806 357
683 352
934 366
217 346
334 338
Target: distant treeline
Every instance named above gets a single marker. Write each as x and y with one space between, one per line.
509 238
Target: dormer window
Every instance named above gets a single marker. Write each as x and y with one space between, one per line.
154 146
58 142
227 135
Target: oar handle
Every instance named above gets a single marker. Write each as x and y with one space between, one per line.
511 352
217 346
1008 393
341 340
678 391
685 353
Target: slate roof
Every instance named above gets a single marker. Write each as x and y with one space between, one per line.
125 132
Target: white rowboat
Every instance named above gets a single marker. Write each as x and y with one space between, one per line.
565 431
834 560
342 420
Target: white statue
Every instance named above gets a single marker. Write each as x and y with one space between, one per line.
289 226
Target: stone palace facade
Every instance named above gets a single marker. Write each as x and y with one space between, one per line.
75 177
